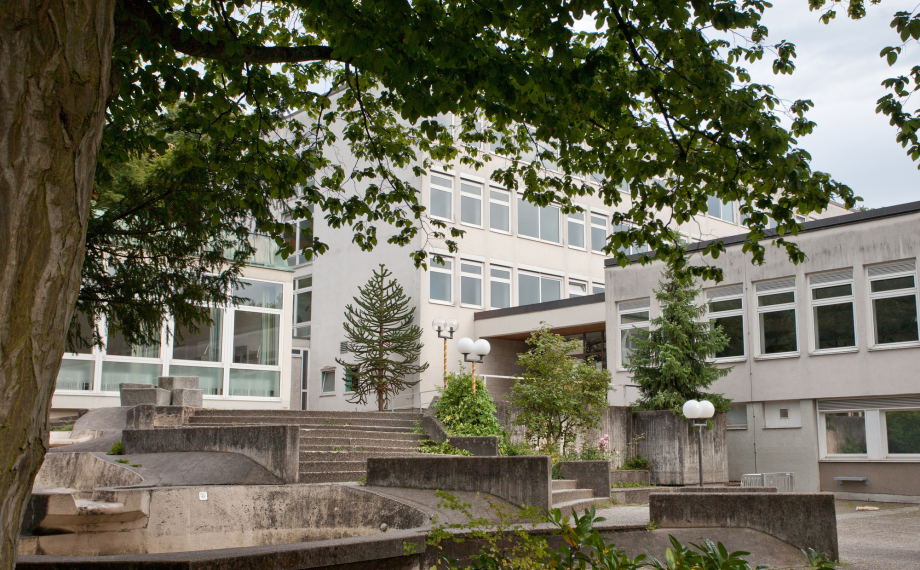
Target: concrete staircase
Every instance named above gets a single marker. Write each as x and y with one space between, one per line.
567 497
334 446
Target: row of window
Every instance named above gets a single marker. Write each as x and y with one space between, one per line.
892 309
237 354
532 287
870 434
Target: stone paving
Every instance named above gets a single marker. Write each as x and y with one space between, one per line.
886 539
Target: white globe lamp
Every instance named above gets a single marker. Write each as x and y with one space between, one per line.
708 410
465 346
481 348
692 409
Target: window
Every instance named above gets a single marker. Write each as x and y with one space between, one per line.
633 249
299 238
538 289
577 230
893 300
262 294
776 317
202 345
736 417
902 430
577 289
75 375
500 210
598 233
470 203
597 288
633 316
440 279
874 429
442 197
328 381
256 336
726 309
303 306
348 378
716 208
539 223
846 433
470 283
499 287
834 320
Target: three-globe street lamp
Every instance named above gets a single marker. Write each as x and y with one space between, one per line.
480 348
702 410
446 329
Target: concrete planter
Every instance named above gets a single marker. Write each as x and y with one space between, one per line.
670 445
629 476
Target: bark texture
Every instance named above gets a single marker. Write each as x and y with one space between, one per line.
55 59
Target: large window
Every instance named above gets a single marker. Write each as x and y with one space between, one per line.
255 369
539 223
872 429
203 344
632 317
719 209
726 309
470 283
902 431
893 300
845 433
303 306
576 228
499 287
833 317
299 238
132 363
598 233
776 312
470 203
440 280
534 288
442 197
500 210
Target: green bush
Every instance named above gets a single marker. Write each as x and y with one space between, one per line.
117 449
464 413
442 448
638 462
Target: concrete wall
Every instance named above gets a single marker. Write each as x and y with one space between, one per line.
885 478
670 443
275 447
594 475
523 481
83 472
804 520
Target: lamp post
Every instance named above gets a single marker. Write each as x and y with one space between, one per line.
446 329
702 410
480 348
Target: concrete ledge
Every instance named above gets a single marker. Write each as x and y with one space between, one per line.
275 447
523 481
631 476
594 475
148 416
724 490
479 446
804 520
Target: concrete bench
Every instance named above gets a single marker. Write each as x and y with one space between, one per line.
840 480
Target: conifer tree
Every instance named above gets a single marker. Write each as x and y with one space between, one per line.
383 339
672 362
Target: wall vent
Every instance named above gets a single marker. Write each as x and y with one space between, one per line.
730 291
845 275
787 283
891 268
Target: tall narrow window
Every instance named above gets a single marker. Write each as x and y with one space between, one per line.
328 381
598 233
633 316
538 289
893 297
440 280
726 309
299 238
499 287
442 197
500 210
776 317
470 203
577 289
303 306
831 297
539 223
470 284
256 335
577 230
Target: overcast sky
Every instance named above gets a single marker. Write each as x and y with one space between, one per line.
838 68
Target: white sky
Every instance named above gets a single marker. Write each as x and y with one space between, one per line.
838 68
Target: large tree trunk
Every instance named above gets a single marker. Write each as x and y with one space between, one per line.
55 59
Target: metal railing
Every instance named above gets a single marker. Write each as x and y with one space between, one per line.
421 405
784 482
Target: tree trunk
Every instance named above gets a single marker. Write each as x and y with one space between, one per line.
55 60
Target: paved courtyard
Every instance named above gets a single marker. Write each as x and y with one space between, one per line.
888 538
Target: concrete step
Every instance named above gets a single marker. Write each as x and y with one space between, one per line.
560 484
578 506
362 434
375 423
309 414
566 495
359 441
371 449
307 456
363 426
331 466
330 476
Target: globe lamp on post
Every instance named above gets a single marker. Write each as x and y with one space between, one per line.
445 329
480 348
702 410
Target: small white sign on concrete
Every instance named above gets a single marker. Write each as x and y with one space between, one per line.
202 495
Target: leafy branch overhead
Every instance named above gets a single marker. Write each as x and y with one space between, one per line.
383 340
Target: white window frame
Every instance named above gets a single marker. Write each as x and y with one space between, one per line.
729 293
629 308
883 433
577 282
478 276
722 207
540 223
541 277
468 195
822 281
632 249
598 226
296 258
322 382
883 272
283 351
433 268
872 437
508 281
569 220
775 287
493 200
432 184
874 411
309 323
596 284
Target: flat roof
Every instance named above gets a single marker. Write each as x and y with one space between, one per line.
815 225
537 307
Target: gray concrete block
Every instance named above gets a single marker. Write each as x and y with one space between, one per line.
629 476
133 386
148 416
186 397
139 396
594 475
178 382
